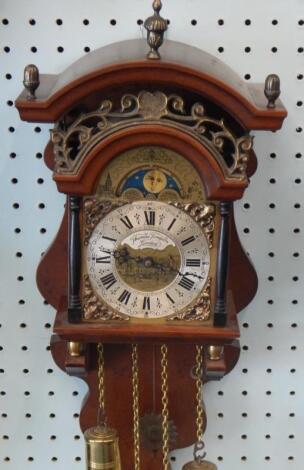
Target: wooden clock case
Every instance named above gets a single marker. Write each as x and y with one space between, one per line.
108 74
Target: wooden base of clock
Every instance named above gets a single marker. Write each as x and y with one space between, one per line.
118 399
52 281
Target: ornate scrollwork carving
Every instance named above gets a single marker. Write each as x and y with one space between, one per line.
201 310
94 308
203 214
71 145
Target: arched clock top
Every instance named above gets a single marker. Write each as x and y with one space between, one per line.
74 142
216 184
182 66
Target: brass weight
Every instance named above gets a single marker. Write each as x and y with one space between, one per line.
199 465
199 462
102 449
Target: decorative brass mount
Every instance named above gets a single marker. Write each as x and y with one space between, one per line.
31 80
156 27
89 129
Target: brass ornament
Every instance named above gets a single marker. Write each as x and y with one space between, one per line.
203 214
94 308
151 431
200 311
75 348
215 353
72 145
272 89
31 80
94 211
156 27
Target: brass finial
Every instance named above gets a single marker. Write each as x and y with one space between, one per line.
31 80
272 89
156 27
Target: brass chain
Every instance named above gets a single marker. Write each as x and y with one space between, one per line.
135 406
199 393
165 412
101 386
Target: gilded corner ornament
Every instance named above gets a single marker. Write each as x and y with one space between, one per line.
201 310
94 211
203 214
94 308
74 143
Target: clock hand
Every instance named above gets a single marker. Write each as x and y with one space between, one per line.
194 275
179 272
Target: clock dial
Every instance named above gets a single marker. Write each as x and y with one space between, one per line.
148 259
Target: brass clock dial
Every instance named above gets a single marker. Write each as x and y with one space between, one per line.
148 259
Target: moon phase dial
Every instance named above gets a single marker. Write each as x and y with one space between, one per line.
148 259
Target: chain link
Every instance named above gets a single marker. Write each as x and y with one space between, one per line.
135 406
165 412
199 393
101 386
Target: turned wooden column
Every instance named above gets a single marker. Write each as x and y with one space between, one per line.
74 309
220 311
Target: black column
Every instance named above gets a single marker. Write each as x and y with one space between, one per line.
74 311
220 311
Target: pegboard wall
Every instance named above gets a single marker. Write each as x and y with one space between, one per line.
256 413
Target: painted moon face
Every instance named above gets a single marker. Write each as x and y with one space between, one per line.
155 181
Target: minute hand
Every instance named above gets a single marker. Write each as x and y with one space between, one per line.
177 271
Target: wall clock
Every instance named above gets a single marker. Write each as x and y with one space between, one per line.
147 274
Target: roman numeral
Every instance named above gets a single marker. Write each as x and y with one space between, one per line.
108 280
188 240
146 304
171 225
124 297
110 239
125 220
170 298
103 259
150 217
186 283
193 262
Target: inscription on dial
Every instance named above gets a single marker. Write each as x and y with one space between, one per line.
148 259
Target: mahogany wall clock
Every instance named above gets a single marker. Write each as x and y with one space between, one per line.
147 273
